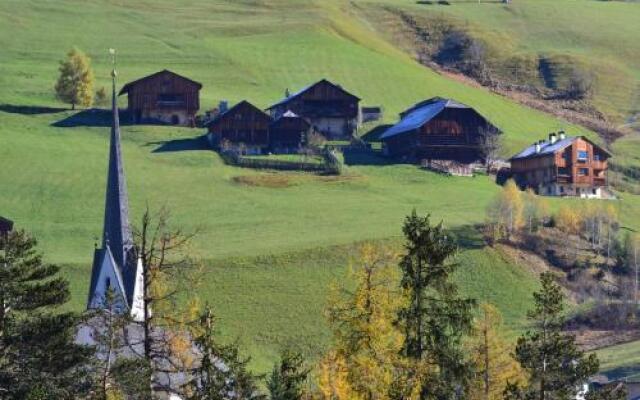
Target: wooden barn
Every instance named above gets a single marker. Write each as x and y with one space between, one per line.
438 129
164 97
562 166
242 125
331 110
288 133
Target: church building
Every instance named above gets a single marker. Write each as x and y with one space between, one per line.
116 265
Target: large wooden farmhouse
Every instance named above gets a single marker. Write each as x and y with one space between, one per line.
331 110
288 133
562 166
242 125
438 129
164 97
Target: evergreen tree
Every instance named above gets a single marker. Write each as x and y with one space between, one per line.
288 377
222 373
75 83
492 356
38 357
556 367
435 318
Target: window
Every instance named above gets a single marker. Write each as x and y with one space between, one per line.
596 157
107 283
583 156
583 171
561 189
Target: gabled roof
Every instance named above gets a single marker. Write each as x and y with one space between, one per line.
129 85
548 148
421 113
306 88
234 108
102 257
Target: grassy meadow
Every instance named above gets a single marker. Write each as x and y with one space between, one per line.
270 249
598 36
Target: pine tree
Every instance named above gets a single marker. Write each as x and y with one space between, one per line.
557 368
435 319
491 354
288 377
222 373
367 342
75 83
38 356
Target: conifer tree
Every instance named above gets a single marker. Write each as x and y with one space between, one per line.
492 357
222 373
75 83
38 356
557 368
288 377
435 318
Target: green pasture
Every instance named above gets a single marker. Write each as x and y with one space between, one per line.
269 251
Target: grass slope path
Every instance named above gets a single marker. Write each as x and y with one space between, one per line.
255 239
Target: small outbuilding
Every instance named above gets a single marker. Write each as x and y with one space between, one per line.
6 226
164 97
438 129
326 106
288 133
243 125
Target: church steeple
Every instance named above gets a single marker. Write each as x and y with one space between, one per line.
117 231
115 265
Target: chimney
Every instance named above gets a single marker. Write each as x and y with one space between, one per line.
538 147
223 106
562 135
552 138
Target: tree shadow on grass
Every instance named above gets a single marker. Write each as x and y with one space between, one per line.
627 371
189 144
92 117
366 157
29 110
468 237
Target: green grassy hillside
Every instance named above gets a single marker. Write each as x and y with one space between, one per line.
598 36
269 251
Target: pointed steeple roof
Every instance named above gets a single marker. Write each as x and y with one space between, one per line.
117 231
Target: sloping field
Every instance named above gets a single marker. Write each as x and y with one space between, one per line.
270 250
598 36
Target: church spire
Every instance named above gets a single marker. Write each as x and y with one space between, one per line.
117 232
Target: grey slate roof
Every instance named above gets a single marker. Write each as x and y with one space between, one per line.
117 239
546 147
420 114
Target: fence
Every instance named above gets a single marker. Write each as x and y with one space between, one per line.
331 164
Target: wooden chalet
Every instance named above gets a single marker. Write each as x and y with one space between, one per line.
164 97
242 125
331 110
562 166
288 133
438 129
